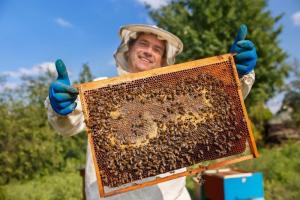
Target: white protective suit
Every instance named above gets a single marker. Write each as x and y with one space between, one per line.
74 123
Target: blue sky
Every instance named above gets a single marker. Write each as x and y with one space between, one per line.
34 33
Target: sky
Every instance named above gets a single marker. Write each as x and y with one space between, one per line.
34 33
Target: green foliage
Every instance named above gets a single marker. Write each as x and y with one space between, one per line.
85 74
281 171
63 185
292 97
192 188
208 28
29 146
260 116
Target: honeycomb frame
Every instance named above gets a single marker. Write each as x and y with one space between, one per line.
219 74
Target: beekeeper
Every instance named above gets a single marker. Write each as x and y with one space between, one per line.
143 47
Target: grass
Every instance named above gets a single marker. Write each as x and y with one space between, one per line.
63 185
280 166
281 170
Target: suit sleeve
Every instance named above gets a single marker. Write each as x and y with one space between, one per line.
68 125
246 83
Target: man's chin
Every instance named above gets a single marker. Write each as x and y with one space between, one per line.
141 68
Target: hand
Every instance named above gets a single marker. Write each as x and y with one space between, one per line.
61 94
246 52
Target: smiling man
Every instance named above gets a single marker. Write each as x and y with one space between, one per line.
143 47
145 53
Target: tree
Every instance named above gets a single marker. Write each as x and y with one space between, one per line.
208 28
292 96
27 142
85 75
28 145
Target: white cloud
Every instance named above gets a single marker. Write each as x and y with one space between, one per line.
63 23
275 103
35 70
296 18
9 85
155 4
12 79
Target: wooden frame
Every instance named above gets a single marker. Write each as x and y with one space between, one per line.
174 68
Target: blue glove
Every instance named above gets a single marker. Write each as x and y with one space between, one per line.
61 94
246 52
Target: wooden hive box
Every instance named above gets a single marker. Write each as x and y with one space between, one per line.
189 116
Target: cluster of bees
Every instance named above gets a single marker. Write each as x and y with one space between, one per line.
147 127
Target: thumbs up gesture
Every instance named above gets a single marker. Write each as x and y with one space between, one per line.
61 94
246 52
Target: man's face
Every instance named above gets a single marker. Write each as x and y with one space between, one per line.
146 53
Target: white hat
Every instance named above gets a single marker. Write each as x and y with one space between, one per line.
173 48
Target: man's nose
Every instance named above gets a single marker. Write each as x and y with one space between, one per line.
148 52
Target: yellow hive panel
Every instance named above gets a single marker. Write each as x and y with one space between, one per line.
145 124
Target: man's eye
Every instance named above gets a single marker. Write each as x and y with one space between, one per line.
158 50
143 43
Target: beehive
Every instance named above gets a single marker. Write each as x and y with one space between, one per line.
149 123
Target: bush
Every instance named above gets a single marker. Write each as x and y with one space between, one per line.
28 145
281 170
62 185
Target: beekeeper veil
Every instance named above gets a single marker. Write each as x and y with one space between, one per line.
174 45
